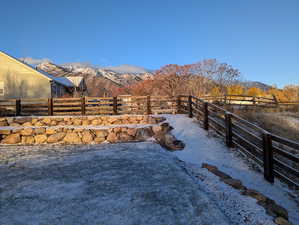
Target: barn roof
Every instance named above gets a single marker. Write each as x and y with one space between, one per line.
61 80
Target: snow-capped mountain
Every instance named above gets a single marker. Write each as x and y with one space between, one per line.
99 80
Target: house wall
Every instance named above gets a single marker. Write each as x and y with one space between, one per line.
19 81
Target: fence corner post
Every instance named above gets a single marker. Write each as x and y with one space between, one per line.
206 116
148 105
190 113
50 106
83 105
115 105
268 157
228 130
18 107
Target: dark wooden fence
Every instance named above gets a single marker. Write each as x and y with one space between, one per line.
278 156
245 100
88 106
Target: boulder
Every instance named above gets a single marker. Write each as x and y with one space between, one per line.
27 124
40 138
27 132
112 137
5 131
50 130
143 134
3 123
132 131
72 138
40 130
14 124
53 123
87 137
11 139
99 140
237 184
101 133
282 221
55 137
27 140
47 120
38 124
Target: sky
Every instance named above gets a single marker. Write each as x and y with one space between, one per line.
258 37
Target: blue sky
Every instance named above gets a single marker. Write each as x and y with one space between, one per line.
259 37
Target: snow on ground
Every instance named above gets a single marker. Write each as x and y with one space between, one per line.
202 148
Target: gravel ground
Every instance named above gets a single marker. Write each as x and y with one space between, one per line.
112 184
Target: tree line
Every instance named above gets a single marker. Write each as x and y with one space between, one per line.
207 77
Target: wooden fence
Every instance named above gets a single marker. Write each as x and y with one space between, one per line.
88 106
278 156
243 100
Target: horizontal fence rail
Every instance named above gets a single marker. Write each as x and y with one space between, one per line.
89 106
278 156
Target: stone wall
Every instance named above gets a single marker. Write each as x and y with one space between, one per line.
86 130
78 120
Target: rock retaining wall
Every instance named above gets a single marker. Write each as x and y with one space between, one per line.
86 130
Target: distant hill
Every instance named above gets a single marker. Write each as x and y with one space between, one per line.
260 85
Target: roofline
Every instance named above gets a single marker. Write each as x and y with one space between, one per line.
31 68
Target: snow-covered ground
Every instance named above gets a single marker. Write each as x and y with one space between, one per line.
201 147
124 183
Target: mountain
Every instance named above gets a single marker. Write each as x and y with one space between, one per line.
260 85
125 68
99 81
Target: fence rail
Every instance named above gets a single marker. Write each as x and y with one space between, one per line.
89 106
278 156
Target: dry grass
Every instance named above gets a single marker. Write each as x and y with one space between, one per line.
285 124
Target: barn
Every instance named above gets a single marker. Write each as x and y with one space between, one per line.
20 80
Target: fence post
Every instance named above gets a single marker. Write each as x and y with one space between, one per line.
50 106
206 116
178 104
268 157
83 105
190 106
115 105
148 105
18 107
228 130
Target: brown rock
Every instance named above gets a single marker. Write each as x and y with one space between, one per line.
87 137
144 133
94 122
27 140
282 221
117 129
53 123
14 124
38 124
55 137
72 138
47 121
3 123
99 140
112 137
132 131
50 130
101 133
237 184
27 132
85 122
22 120
27 124
5 131
156 129
40 130
277 210
255 194
40 139
11 139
